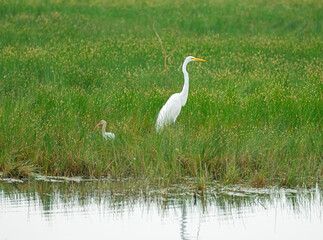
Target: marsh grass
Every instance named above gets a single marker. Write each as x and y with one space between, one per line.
254 112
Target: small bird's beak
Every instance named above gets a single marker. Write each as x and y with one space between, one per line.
97 126
199 59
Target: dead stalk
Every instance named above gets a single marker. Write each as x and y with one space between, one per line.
165 52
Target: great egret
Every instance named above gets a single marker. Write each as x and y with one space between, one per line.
173 106
106 135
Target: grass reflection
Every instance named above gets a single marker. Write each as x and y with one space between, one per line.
118 195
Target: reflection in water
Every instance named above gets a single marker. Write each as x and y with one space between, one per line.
70 208
183 223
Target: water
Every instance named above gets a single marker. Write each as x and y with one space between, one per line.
74 209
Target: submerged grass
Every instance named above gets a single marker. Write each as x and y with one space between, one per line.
254 112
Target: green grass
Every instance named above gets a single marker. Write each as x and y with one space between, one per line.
254 112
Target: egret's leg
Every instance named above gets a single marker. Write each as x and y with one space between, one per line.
174 124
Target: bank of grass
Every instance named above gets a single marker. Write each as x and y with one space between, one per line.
254 112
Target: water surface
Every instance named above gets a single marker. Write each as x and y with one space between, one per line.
65 208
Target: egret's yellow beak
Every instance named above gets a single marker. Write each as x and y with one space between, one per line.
198 59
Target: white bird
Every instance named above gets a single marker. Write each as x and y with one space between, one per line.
173 106
106 135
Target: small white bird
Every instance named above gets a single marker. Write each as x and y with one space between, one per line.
106 135
173 106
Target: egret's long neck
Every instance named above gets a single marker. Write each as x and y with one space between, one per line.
184 92
104 127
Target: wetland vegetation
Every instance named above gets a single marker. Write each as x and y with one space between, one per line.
254 110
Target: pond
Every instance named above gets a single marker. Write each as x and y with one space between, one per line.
72 208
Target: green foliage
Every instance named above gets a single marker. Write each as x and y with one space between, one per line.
254 112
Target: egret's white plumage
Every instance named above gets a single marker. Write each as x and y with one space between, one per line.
106 135
173 106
